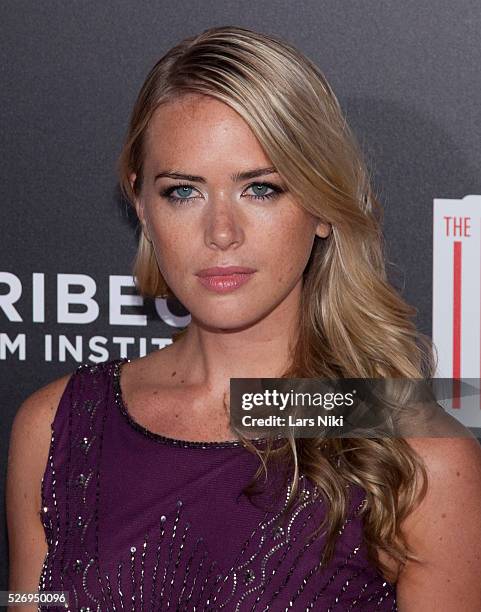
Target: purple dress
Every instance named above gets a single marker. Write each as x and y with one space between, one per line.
139 521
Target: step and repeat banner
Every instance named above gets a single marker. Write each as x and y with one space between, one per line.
77 304
457 298
407 76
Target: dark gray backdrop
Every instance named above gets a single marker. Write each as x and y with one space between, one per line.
407 74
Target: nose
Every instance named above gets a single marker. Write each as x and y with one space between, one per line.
223 228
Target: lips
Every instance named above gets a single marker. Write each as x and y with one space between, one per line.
225 283
225 271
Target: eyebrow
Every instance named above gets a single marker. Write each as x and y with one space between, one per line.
238 176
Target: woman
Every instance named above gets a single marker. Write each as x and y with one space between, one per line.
238 155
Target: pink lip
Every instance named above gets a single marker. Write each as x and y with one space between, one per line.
224 271
225 282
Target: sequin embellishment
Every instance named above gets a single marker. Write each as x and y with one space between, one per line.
170 565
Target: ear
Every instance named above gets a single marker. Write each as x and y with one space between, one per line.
323 229
139 208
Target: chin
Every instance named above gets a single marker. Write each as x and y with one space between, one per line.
225 321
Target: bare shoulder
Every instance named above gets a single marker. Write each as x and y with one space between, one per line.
445 529
445 453
27 459
31 427
38 410
44 400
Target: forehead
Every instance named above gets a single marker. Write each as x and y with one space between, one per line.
200 128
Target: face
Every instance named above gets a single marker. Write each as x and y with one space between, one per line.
214 218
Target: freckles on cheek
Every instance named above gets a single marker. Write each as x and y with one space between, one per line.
285 270
292 259
170 245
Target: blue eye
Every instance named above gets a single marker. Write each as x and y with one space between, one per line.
186 190
183 190
263 195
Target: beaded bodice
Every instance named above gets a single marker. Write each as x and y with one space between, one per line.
138 521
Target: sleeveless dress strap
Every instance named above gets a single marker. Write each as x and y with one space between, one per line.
70 480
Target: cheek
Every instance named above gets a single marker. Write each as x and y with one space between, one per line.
172 239
171 251
291 253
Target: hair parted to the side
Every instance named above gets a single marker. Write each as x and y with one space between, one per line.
353 323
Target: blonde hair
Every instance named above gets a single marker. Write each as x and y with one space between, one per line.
353 323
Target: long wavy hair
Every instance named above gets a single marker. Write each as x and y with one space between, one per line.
353 322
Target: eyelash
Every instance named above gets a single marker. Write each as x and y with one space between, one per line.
167 193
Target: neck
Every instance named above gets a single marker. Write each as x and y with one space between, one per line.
210 357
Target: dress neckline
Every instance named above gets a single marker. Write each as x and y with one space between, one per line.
122 406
